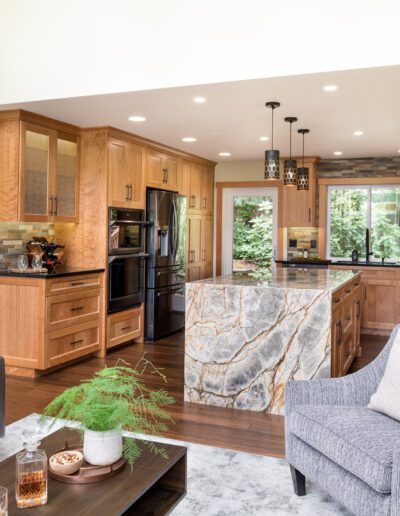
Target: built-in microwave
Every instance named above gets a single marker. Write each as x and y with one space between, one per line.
125 231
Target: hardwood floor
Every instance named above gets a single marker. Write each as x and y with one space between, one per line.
241 430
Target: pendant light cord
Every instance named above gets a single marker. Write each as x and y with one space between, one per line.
272 129
303 150
290 142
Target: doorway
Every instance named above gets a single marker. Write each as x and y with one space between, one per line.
249 229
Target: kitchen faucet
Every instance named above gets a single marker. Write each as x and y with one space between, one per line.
368 253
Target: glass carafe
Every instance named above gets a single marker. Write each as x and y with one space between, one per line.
31 473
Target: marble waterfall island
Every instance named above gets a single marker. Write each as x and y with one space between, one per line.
246 336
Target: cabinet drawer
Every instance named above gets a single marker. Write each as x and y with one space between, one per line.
124 326
348 309
337 298
70 309
68 284
72 342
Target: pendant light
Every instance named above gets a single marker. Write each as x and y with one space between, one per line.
303 174
272 156
290 165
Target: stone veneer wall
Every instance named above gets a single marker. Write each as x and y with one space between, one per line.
359 167
15 235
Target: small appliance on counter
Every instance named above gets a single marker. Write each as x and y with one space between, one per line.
49 253
126 258
166 273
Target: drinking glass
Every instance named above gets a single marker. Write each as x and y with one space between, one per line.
3 501
36 262
22 262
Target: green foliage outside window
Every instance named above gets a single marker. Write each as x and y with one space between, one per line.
252 230
349 219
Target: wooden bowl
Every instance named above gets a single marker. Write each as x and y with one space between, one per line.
70 467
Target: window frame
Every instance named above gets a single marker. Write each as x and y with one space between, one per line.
361 186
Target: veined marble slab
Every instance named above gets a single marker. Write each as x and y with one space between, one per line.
246 337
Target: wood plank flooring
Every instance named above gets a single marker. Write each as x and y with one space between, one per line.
241 430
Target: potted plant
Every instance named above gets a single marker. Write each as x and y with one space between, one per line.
113 400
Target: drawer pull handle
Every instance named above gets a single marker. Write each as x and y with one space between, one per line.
77 308
347 353
76 283
356 284
337 300
347 317
79 341
348 291
126 328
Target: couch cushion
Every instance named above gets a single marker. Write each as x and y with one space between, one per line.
357 438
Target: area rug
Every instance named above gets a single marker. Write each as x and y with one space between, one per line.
220 482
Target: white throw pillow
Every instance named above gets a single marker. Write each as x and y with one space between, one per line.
387 397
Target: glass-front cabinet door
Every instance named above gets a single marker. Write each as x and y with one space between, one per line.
66 175
49 175
36 202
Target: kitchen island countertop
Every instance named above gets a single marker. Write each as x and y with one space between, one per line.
309 279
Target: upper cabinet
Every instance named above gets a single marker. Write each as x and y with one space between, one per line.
48 175
162 170
39 169
299 206
200 188
125 174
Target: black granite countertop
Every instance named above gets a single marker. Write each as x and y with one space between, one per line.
338 262
58 273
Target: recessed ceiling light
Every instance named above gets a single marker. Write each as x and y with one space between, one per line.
264 138
225 154
358 133
338 153
330 87
199 100
137 118
189 139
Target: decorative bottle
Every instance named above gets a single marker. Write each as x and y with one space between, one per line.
31 473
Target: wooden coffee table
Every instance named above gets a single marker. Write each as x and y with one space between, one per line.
154 487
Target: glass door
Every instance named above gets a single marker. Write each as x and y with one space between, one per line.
249 229
37 203
65 206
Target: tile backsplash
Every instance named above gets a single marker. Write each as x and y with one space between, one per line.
302 238
15 235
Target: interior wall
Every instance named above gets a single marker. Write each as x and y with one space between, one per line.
240 171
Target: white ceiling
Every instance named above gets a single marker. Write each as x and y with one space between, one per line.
234 115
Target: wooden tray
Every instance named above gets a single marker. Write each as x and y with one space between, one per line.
87 474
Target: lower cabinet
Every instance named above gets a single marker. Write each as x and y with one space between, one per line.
200 246
380 298
47 322
346 322
124 326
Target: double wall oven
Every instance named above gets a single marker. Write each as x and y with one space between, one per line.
126 258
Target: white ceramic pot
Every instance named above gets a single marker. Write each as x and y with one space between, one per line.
102 448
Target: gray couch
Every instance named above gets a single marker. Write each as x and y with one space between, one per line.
333 439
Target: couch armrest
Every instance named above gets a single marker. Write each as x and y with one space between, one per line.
395 494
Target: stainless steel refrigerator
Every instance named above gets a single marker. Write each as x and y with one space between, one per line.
166 267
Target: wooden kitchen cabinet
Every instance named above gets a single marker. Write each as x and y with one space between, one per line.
345 326
49 171
162 170
48 322
207 246
124 326
299 206
201 188
379 298
125 174
195 240
381 304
